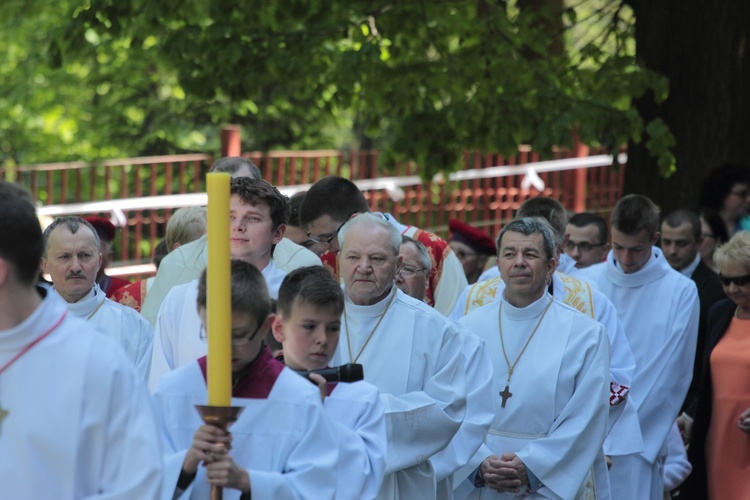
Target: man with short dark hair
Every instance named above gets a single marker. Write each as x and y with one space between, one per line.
75 420
659 310
587 239
680 239
331 201
551 383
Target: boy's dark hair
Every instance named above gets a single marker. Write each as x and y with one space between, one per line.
249 290
634 213
295 202
333 196
21 243
312 285
255 191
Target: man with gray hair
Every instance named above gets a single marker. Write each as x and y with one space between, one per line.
408 350
72 256
551 385
413 275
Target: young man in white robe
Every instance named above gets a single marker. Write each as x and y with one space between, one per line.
307 324
411 278
659 310
258 214
408 350
282 445
186 263
72 257
75 419
552 381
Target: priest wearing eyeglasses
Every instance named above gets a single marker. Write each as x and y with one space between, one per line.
551 380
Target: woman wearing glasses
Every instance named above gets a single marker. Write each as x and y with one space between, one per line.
720 441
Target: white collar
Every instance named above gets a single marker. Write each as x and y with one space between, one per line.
373 310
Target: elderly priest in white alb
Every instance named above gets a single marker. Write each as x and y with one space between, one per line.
408 350
75 419
72 257
551 380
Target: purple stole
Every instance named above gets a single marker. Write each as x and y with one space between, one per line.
259 381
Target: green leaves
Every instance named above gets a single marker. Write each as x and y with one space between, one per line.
424 80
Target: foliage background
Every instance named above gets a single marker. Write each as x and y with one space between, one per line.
420 80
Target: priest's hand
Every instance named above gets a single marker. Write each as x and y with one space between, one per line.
222 471
322 384
744 422
208 442
505 474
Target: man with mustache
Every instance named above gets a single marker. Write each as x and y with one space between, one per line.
72 256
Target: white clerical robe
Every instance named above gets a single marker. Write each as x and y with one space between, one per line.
187 262
659 310
479 414
120 323
414 358
80 424
178 340
556 419
359 419
285 441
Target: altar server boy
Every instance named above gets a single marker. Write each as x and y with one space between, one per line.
282 445
307 324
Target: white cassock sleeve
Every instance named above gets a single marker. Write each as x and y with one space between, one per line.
670 373
676 465
162 359
452 282
145 337
359 419
421 423
479 408
122 442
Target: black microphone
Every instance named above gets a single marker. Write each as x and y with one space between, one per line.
349 372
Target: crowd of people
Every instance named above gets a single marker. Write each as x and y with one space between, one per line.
570 357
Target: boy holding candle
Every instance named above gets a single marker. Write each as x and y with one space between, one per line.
307 323
281 446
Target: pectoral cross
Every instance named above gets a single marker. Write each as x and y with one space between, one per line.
505 394
3 414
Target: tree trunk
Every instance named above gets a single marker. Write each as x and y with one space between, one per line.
702 48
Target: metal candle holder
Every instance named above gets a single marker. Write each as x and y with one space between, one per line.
221 417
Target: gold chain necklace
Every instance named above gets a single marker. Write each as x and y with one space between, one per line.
505 393
353 359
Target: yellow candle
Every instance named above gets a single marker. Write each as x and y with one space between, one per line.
218 296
